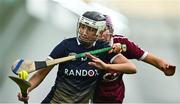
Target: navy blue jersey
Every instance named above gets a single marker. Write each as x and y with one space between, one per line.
76 79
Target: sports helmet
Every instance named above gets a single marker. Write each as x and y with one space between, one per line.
92 19
109 24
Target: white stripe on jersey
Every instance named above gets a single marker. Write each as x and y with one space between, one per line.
143 56
112 59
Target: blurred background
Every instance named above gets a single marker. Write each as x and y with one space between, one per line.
30 29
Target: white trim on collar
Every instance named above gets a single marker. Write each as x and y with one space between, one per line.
78 41
94 43
111 42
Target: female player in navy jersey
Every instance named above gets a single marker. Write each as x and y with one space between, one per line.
111 88
77 79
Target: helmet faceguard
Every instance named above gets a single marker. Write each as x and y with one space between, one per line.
99 25
92 19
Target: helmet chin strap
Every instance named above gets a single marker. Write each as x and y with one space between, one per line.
86 44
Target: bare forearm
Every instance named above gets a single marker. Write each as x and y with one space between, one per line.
120 64
127 68
154 60
161 64
38 77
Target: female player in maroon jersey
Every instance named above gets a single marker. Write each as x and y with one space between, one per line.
111 87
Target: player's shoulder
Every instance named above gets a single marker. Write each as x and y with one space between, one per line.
120 38
69 40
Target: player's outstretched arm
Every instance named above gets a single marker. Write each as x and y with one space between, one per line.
161 64
35 80
38 77
120 64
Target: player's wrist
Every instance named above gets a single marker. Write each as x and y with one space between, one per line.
106 66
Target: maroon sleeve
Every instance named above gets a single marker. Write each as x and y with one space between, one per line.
133 51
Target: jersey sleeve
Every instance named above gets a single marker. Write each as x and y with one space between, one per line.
58 51
133 50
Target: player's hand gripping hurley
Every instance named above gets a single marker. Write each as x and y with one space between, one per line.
23 85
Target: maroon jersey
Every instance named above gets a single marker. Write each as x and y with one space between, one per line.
111 86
